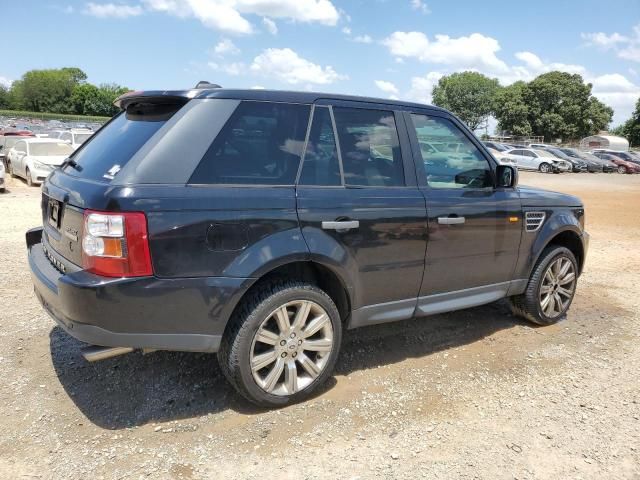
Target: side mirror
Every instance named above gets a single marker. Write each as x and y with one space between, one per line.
506 176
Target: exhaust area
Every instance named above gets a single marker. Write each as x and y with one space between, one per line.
94 353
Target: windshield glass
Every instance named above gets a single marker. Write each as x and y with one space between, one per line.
11 141
50 149
114 145
543 153
80 138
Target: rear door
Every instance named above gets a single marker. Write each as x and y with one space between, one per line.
359 206
474 228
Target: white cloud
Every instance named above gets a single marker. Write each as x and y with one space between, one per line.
618 92
270 25
112 10
476 51
421 6
287 66
387 87
227 15
626 47
421 87
346 30
225 47
233 69
363 39
5 82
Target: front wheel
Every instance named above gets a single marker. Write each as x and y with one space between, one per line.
544 167
282 344
29 179
10 169
551 287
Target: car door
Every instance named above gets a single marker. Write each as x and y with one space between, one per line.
474 228
360 208
20 157
520 158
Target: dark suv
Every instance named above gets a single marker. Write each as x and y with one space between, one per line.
261 224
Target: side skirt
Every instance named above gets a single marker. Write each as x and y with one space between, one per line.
433 304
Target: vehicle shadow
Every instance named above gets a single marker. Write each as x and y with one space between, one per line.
137 389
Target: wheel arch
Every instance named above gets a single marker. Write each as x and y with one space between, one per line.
568 237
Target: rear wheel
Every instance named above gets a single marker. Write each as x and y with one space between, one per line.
622 169
282 344
551 287
544 167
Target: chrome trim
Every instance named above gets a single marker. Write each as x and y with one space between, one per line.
451 220
341 226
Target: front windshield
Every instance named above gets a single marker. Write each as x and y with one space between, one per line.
543 153
11 141
50 149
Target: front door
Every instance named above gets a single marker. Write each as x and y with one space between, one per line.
474 228
360 208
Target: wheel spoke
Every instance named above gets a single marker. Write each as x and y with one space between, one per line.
308 365
548 277
564 292
544 289
559 302
301 315
550 305
556 268
272 378
545 302
266 336
322 345
260 361
569 277
566 265
315 325
282 319
291 377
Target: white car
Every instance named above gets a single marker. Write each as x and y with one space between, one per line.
500 158
533 159
35 158
76 136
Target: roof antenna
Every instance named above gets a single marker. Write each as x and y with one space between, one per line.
205 84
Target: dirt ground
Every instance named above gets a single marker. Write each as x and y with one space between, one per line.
470 394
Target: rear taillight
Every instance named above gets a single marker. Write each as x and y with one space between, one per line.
116 244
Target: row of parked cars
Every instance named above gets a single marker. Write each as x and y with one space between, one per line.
555 159
32 156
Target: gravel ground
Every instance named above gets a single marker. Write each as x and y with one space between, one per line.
470 394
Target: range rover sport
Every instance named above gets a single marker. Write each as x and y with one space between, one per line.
262 224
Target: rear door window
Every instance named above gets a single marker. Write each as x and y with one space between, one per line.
261 144
114 145
321 166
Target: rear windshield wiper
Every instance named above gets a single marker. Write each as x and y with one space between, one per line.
69 162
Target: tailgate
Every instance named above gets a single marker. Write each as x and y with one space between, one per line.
62 227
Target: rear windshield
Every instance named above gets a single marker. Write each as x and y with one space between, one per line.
112 147
50 149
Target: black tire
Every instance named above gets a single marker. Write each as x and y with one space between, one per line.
10 169
545 167
29 179
235 350
622 169
528 304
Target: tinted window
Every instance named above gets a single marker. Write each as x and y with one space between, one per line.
369 147
462 167
321 166
516 152
113 146
260 144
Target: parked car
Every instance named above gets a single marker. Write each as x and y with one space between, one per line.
628 156
607 166
8 140
290 217
35 158
76 136
501 159
499 147
541 160
577 164
592 167
2 178
622 166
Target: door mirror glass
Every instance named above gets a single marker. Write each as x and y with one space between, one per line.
507 176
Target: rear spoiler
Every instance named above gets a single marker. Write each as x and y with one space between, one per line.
167 96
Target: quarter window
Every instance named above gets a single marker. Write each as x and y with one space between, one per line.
260 144
449 158
321 166
369 147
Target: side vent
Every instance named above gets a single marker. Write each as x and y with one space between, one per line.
534 220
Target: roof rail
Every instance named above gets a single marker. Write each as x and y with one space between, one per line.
206 84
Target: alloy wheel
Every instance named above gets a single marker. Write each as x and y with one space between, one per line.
621 169
291 347
545 168
558 287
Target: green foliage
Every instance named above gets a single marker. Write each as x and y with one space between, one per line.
4 97
553 105
61 91
51 116
469 95
631 128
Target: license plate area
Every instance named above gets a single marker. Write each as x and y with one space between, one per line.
54 210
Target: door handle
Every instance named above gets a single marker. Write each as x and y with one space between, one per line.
341 226
451 220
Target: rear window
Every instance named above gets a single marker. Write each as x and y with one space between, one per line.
112 147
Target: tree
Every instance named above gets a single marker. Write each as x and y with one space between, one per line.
85 99
109 92
4 97
560 105
511 111
50 90
469 95
631 128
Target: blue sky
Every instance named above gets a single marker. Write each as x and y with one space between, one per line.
385 48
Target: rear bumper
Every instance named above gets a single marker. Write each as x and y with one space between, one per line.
145 312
